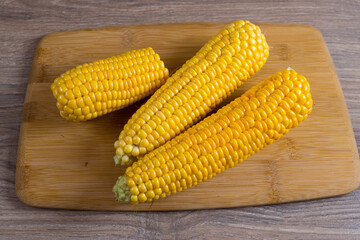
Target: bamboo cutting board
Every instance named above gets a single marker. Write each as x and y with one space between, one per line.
69 165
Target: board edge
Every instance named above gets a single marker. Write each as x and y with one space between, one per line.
21 172
114 27
351 134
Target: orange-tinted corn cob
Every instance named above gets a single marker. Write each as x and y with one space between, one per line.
249 123
94 89
216 71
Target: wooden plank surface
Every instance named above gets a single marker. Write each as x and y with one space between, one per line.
69 165
22 24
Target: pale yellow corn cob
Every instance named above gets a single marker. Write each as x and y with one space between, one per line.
220 67
97 88
243 127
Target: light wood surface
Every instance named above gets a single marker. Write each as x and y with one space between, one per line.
24 23
69 165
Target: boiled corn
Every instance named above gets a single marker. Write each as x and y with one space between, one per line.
216 71
249 123
94 89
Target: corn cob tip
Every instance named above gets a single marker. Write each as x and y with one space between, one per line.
117 160
126 153
290 68
122 190
124 160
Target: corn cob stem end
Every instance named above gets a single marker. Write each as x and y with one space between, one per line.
122 190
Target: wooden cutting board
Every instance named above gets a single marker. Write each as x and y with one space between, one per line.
69 165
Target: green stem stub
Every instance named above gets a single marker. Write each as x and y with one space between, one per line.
122 190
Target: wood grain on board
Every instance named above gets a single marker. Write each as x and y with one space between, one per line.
69 165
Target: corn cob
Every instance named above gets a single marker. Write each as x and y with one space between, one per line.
94 89
216 71
249 123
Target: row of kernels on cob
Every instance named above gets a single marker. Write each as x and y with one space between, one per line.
217 70
249 123
97 88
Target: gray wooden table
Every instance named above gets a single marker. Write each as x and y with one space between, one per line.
23 23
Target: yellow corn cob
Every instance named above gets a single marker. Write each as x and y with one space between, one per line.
220 67
94 89
249 123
